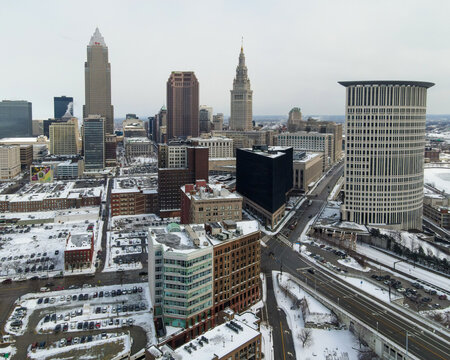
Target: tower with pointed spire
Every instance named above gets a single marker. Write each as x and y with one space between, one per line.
97 75
241 98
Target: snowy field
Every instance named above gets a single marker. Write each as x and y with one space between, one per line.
352 263
100 307
326 344
438 178
38 250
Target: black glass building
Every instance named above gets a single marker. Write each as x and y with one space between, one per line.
94 142
60 104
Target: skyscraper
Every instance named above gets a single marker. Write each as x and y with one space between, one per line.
64 137
61 104
241 98
385 143
97 75
294 120
182 104
15 119
204 123
94 142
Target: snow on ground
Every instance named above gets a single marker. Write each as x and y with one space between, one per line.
267 341
414 271
42 246
412 242
119 245
60 303
352 263
438 178
371 288
9 350
89 349
325 342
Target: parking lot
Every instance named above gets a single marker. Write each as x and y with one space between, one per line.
37 250
82 313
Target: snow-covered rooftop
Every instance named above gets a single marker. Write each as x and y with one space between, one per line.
134 184
79 242
189 238
209 192
220 341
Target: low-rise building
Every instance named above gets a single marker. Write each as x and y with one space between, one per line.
138 146
202 203
436 207
51 196
9 161
133 196
234 339
307 169
247 139
79 251
40 144
432 155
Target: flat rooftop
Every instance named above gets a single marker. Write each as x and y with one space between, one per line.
189 238
211 192
220 341
387 82
53 190
79 242
272 151
135 184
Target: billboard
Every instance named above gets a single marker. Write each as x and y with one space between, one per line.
42 174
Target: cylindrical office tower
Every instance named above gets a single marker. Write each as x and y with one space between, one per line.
385 143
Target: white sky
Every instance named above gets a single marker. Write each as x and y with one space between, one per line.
296 51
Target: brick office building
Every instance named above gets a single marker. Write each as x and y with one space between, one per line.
79 251
175 169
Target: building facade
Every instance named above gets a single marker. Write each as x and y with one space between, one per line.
294 119
15 119
310 141
307 169
325 127
247 139
385 144
182 105
94 142
217 123
97 76
241 98
174 172
79 251
64 137
219 146
138 146
9 161
61 104
264 178
204 123
202 203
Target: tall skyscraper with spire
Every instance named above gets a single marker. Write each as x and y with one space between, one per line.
241 98
97 75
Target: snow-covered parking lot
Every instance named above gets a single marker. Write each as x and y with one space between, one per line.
38 249
89 308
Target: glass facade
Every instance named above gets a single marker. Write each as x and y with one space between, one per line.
60 104
94 143
15 119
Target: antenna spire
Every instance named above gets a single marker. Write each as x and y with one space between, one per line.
242 44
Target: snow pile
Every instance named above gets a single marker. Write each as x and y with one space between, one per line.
352 263
413 242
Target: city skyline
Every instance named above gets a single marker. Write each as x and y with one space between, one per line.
299 50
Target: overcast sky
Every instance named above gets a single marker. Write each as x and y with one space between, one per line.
296 51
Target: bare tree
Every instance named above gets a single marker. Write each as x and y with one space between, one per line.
305 336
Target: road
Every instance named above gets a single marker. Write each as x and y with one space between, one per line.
369 310
423 344
282 341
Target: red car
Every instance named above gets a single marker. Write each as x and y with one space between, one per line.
60 288
97 325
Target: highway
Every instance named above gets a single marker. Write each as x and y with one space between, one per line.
431 344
